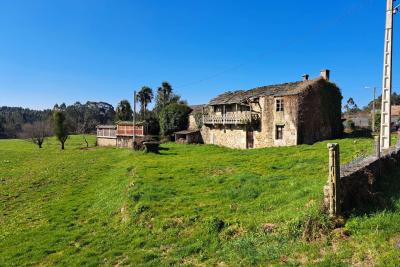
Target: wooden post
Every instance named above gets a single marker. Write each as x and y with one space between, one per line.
378 146
134 120
398 138
334 180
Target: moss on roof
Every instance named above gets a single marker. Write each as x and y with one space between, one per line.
283 89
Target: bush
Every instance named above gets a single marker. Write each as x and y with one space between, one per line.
174 117
152 124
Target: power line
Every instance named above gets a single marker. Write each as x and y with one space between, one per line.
322 26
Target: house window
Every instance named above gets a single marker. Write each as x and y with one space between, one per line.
244 108
279 132
279 105
218 108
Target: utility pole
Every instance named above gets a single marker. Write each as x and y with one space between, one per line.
387 78
134 120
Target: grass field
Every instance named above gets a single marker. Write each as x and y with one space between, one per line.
191 205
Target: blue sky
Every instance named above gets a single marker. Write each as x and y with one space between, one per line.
54 51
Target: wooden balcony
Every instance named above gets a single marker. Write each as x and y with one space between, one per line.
231 118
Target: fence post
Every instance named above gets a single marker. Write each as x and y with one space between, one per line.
334 179
398 139
378 146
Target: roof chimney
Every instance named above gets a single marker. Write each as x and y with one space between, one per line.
305 77
325 74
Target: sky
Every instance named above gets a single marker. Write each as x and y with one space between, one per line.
54 51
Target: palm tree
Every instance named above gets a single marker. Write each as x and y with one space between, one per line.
164 96
145 95
165 90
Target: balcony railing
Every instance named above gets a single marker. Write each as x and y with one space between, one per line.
231 118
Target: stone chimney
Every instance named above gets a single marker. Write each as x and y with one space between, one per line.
305 77
325 74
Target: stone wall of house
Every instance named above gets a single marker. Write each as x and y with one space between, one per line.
264 134
126 141
229 136
192 122
265 137
104 141
320 113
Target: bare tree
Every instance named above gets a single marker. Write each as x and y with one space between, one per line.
84 121
36 132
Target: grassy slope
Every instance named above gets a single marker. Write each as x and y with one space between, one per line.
190 205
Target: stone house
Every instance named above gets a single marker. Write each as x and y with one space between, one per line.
285 114
192 135
360 119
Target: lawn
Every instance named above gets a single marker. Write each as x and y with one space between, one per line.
191 205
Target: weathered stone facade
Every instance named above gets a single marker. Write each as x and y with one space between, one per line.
279 115
232 136
106 141
192 122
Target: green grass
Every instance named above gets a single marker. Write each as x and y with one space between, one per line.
190 205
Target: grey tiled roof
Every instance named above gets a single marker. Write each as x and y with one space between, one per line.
241 96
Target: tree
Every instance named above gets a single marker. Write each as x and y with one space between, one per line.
63 106
124 111
174 117
36 132
351 106
165 92
13 118
395 100
81 120
60 127
165 96
145 95
377 121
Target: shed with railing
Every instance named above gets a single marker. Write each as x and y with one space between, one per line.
106 135
121 134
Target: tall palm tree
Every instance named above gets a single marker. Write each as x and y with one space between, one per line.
164 95
145 95
165 90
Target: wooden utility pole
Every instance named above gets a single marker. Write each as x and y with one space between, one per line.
134 120
387 79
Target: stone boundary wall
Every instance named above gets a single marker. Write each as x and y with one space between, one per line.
356 186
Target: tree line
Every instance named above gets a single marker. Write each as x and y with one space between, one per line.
351 107
170 114
80 118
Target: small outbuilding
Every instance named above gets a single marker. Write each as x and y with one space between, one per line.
120 135
106 135
188 137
